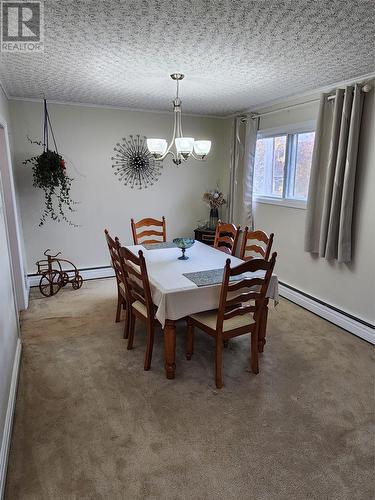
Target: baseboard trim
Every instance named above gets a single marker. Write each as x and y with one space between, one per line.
5 444
88 273
347 322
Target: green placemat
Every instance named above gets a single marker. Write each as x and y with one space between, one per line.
210 277
158 246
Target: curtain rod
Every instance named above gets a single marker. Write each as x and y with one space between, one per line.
366 88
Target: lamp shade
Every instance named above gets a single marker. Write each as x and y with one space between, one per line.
184 145
202 148
157 146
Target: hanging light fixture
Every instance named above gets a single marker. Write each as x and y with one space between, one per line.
184 147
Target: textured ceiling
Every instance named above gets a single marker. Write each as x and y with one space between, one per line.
235 54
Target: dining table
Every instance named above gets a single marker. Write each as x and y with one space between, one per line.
177 289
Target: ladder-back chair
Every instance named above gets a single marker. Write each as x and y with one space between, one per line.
141 235
122 296
226 237
256 242
240 311
141 305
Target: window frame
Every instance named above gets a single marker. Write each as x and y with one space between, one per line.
291 132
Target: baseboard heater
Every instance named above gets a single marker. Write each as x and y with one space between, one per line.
333 314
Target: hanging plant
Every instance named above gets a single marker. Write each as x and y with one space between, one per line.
49 174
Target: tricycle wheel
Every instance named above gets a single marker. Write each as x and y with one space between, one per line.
77 282
50 283
64 278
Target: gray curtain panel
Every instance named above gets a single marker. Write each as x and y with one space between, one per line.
242 170
332 180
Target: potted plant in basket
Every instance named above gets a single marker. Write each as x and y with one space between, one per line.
49 174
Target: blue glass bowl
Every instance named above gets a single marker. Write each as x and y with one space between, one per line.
183 243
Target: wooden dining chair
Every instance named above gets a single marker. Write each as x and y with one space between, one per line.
139 233
240 311
226 237
140 301
122 295
256 242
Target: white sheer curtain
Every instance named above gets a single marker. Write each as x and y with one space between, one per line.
245 129
332 181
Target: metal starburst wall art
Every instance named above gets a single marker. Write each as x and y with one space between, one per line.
134 164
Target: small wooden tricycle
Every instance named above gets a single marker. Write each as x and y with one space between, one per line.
53 279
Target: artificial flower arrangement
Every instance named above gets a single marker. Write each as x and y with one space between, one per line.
214 199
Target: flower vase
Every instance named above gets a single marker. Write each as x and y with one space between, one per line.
214 217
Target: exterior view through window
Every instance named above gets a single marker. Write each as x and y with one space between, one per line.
282 165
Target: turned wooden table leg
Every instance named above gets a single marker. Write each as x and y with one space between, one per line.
170 348
189 339
263 327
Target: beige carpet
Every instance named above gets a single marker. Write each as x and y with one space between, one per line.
91 424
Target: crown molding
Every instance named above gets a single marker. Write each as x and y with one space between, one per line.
253 109
327 88
112 107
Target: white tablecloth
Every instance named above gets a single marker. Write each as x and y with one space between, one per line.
175 295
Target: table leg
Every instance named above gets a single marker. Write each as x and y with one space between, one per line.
170 348
263 327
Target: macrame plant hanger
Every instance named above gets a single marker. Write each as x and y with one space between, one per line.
47 127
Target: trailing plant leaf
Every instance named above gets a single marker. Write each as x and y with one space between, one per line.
49 174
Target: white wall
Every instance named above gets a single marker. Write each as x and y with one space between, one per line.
348 287
86 137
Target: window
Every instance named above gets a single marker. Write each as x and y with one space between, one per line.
282 167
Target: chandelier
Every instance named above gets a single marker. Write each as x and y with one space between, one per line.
184 147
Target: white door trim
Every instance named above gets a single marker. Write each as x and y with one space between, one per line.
21 283
7 434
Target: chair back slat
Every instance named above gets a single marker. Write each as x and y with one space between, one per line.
131 270
147 222
246 282
149 232
239 311
251 244
137 277
226 237
250 266
137 293
243 297
255 249
246 296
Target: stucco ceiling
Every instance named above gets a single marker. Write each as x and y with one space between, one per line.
235 54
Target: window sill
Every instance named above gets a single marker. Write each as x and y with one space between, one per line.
284 202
